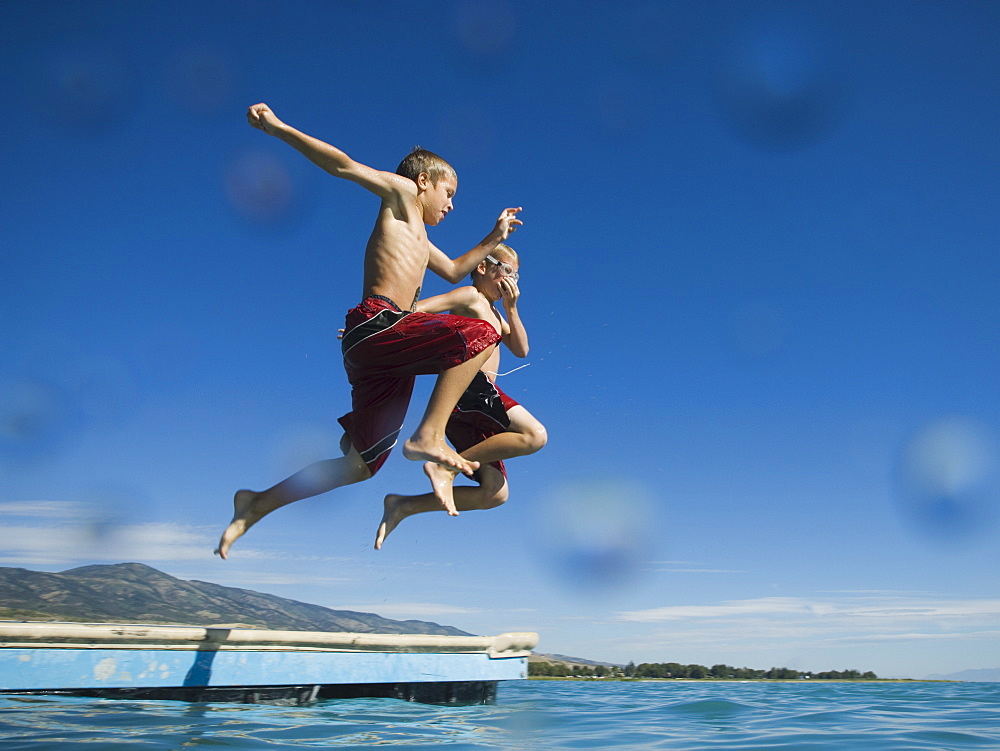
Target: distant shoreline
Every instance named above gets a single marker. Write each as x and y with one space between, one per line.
595 679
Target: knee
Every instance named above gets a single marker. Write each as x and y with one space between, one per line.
499 497
494 488
358 471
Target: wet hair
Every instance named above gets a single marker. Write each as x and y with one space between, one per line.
421 160
502 253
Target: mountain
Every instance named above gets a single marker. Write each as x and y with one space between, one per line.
570 661
981 675
136 593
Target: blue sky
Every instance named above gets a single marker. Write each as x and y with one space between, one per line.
759 272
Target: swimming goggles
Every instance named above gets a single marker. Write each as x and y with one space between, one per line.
505 268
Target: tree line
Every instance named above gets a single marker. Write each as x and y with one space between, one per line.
676 670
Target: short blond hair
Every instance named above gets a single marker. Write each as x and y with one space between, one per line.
421 160
505 250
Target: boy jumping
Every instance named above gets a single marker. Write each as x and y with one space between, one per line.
385 346
486 426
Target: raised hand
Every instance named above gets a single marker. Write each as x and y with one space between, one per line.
507 223
262 117
510 292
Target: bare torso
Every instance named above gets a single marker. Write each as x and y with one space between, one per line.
397 253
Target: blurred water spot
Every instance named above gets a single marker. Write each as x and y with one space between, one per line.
259 186
485 28
781 85
201 81
948 479
60 532
86 88
109 508
469 133
115 512
36 419
758 329
594 535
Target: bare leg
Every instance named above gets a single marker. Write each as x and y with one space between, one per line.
250 507
427 442
526 435
490 494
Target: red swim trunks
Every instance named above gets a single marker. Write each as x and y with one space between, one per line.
480 413
385 348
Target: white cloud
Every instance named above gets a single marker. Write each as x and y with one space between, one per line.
686 567
81 543
763 606
671 563
758 645
696 571
869 608
797 624
70 533
45 509
991 636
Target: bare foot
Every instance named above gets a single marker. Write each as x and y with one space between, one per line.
442 484
246 513
438 452
391 517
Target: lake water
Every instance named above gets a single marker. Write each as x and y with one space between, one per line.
539 715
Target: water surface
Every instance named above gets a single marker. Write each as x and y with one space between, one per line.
533 715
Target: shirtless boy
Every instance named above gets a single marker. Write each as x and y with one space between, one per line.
387 343
486 426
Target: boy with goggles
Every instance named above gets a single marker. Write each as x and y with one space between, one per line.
486 426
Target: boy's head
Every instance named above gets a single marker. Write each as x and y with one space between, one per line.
421 160
436 182
486 277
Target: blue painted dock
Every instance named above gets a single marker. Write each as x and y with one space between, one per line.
254 665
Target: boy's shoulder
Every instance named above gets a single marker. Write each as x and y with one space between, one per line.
467 295
470 301
461 300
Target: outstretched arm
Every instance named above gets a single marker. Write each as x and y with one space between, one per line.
515 336
456 270
330 158
457 300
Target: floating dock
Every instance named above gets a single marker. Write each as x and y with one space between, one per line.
191 663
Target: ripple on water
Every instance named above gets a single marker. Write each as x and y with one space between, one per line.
533 715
